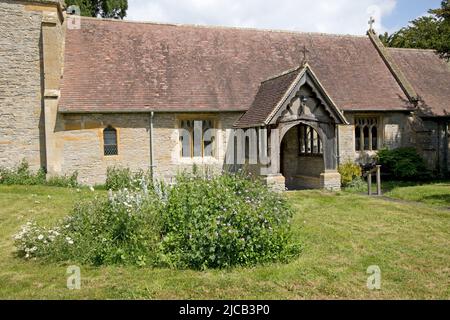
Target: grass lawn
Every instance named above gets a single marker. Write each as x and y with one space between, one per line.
437 194
342 235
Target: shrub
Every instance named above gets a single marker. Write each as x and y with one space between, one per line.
64 181
223 221
122 229
200 222
118 178
403 164
22 175
350 172
357 185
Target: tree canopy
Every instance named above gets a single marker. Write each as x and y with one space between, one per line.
116 9
428 32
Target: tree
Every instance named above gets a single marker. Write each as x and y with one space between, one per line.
429 32
116 9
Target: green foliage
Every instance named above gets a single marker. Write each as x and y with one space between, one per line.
358 185
70 181
116 9
403 164
224 221
22 175
423 34
349 171
429 32
200 222
123 229
118 178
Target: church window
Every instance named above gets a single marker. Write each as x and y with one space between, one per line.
358 138
197 138
309 141
110 142
366 134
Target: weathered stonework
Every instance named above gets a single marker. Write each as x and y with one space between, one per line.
330 180
21 88
79 144
23 79
276 182
394 131
167 155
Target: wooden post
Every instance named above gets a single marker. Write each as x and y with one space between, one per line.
379 180
369 182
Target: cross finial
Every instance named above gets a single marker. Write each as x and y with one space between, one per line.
305 52
371 23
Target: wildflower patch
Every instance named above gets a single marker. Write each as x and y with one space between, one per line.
199 222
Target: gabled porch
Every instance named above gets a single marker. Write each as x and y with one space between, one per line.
302 122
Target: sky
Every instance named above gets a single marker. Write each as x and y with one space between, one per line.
328 16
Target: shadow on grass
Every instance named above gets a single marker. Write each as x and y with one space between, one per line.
439 198
388 186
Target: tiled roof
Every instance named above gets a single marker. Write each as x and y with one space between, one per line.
430 77
269 95
116 66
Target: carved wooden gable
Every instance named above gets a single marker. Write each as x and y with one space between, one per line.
307 100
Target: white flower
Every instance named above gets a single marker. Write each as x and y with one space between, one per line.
40 237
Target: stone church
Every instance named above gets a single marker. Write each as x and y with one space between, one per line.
84 94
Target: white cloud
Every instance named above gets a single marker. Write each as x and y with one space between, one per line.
330 16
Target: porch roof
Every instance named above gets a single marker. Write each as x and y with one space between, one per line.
273 94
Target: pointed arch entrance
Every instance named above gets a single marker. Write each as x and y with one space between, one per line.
302 158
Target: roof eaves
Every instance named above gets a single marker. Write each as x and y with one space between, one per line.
285 96
143 110
403 82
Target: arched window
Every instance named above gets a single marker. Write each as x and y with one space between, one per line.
374 138
366 134
309 141
357 138
366 138
110 141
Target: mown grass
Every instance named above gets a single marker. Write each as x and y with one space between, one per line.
437 194
342 235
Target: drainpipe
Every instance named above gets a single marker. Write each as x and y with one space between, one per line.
439 142
446 148
152 164
338 151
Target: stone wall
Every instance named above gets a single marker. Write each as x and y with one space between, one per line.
79 141
23 77
398 129
433 138
21 117
395 130
167 155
